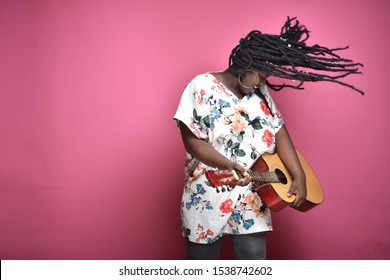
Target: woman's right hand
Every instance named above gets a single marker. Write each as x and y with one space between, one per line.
245 177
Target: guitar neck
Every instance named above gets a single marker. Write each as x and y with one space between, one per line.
266 177
227 177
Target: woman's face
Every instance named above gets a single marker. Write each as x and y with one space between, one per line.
251 80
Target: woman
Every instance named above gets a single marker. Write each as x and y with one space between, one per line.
228 120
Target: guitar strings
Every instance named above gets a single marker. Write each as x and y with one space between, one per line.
272 176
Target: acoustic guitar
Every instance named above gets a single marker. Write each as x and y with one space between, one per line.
271 180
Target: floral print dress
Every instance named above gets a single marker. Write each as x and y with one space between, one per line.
240 129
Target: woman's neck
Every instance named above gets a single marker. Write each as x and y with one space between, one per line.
228 79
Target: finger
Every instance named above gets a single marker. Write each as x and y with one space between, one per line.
247 178
290 193
295 202
244 181
299 200
240 168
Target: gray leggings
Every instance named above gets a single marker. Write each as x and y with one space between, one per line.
245 247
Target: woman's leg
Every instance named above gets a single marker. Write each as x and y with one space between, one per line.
211 251
249 246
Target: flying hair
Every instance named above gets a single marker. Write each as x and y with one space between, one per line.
288 56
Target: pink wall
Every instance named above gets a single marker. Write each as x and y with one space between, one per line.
90 159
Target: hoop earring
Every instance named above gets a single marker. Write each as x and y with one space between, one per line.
244 86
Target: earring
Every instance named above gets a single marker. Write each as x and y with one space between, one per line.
257 80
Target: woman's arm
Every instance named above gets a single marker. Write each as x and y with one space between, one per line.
204 152
286 151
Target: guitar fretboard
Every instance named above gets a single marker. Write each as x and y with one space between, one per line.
266 177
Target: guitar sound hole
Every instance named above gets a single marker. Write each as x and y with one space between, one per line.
281 177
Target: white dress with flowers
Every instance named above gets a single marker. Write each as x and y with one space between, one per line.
242 130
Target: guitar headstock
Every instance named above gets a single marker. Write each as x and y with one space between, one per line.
222 177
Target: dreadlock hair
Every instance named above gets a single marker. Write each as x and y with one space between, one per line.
287 56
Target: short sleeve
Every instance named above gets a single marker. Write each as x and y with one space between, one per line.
193 109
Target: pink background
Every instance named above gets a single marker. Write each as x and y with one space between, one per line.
91 162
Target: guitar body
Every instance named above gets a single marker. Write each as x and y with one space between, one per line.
274 194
